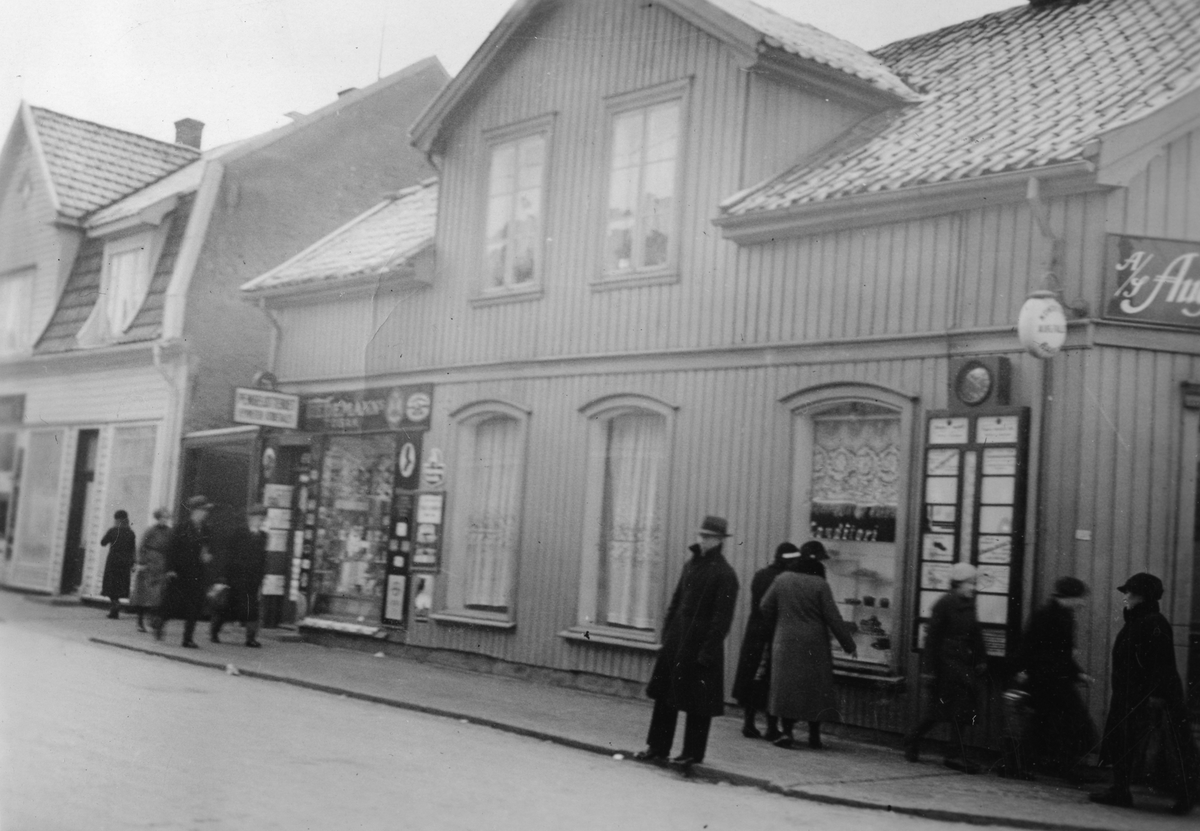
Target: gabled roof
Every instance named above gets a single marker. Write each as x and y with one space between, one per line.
379 243
91 165
765 38
1017 90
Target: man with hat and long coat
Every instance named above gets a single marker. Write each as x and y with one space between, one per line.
242 571
183 595
689 674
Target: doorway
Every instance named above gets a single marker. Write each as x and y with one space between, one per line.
81 501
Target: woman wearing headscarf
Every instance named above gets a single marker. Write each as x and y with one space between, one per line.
799 606
1147 703
752 681
119 563
149 566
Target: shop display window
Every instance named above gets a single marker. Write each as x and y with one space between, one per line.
353 514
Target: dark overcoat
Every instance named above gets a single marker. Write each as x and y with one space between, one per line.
690 671
804 615
1148 701
746 690
954 651
183 595
1061 724
149 567
117 566
243 570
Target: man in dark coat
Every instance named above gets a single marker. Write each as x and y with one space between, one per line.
752 681
1147 703
242 571
183 596
956 659
1060 732
119 563
689 674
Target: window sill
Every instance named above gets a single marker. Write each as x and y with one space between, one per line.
497 297
335 625
609 282
611 637
452 619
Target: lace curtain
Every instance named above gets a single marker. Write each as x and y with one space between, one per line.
856 460
633 540
492 519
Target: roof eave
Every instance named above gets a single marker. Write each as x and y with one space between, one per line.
826 81
916 202
341 287
1124 151
39 152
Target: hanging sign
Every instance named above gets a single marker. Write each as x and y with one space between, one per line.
268 409
1153 281
1042 325
360 411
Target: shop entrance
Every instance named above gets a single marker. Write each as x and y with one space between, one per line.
81 500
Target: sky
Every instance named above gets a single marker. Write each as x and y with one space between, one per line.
239 65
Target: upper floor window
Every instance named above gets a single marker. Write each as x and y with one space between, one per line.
126 270
516 185
641 232
16 294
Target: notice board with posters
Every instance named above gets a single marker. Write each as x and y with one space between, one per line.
974 479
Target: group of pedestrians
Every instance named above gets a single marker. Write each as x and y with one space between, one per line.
785 670
177 570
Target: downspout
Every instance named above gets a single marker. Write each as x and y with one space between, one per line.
276 334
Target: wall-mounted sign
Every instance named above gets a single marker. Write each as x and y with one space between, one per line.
408 462
360 411
1153 281
433 472
1042 325
268 409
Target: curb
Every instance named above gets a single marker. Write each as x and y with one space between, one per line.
704 773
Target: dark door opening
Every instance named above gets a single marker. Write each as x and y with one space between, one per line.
82 493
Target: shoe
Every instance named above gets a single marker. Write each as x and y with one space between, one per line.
685 761
158 633
141 627
751 732
1182 807
816 744
114 615
961 765
190 645
1121 799
254 644
649 755
912 754
214 637
784 741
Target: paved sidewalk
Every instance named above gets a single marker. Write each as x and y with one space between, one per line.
846 772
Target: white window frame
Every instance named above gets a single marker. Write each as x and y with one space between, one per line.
803 406
100 327
452 608
20 281
599 414
514 134
616 106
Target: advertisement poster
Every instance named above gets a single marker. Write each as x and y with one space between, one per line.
360 411
273 584
422 596
1153 281
277 496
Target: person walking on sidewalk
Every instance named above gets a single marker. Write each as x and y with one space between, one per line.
954 661
122 542
183 593
1148 707
752 680
800 609
145 594
242 571
1061 731
689 674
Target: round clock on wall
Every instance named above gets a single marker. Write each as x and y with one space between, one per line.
974 383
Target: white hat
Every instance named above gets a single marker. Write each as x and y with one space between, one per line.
961 572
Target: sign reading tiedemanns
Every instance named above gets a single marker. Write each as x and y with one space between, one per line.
268 409
362 411
1153 281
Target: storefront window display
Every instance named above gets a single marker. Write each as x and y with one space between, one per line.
354 512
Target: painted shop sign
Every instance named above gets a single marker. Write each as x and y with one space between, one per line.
268 409
1154 281
362 411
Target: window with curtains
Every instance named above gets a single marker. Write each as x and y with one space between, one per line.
124 282
625 523
516 177
486 526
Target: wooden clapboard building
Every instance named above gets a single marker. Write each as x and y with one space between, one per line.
695 257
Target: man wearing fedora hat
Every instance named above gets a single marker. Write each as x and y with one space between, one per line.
689 674
242 571
183 596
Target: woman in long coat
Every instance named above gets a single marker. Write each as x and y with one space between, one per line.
752 681
149 567
123 542
800 607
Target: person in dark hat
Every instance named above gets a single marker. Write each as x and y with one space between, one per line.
1148 704
242 571
752 680
183 595
119 564
1060 732
689 674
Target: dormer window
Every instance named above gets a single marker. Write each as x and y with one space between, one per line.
127 268
16 294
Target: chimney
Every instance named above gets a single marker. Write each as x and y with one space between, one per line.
187 132
344 92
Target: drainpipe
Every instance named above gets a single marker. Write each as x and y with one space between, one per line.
276 334
169 444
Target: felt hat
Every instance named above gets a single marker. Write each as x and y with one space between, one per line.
714 526
161 513
961 572
814 550
1069 587
786 551
1143 585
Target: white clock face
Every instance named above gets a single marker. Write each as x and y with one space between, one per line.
974 384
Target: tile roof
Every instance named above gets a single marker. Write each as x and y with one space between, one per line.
810 43
1015 90
373 244
91 165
